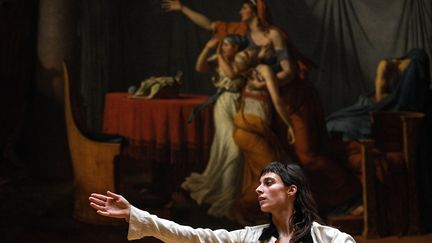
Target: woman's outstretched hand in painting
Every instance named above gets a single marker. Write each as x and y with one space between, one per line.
110 205
171 5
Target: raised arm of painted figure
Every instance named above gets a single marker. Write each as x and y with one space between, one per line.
196 17
202 61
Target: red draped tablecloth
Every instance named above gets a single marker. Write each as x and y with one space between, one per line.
157 130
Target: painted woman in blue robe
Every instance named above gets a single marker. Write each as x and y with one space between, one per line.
401 84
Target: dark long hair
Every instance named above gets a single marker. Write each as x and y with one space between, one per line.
304 212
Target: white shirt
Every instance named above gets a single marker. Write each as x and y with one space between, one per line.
142 224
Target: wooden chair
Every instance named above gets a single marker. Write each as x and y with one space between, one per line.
92 157
390 196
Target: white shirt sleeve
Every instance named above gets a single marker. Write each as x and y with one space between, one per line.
142 224
327 234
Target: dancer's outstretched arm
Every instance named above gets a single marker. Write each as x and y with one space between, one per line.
142 224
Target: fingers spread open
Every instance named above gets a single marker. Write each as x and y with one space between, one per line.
99 196
97 201
96 206
113 195
103 213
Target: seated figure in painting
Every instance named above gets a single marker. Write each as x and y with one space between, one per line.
401 84
219 184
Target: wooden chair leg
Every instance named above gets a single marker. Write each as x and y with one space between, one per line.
369 200
410 132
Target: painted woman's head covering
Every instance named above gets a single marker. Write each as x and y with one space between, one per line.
259 7
241 41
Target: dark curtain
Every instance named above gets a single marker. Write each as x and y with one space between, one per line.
156 43
18 25
347 38
97 38
127 41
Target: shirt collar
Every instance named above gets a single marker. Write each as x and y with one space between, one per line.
268 232
271 230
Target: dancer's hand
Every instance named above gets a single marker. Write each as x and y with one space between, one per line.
111 205
171 5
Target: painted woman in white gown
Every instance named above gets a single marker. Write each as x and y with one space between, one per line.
221 181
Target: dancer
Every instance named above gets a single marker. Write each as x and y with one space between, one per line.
283 193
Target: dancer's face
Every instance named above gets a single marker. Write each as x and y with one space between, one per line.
246 13
273 195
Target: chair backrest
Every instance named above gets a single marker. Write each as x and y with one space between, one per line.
389 129
93 161
73 109
71 101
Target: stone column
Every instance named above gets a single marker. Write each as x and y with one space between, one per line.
57 39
